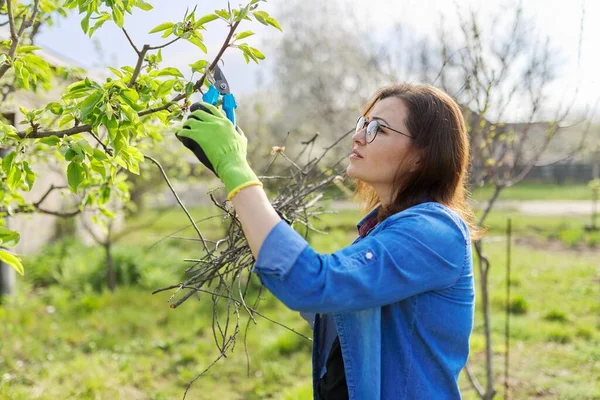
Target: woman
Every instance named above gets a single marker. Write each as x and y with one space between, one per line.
394 310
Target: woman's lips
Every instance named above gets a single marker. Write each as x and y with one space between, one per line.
355 154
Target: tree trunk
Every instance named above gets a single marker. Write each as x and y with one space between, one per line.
484 266
7 280
111 275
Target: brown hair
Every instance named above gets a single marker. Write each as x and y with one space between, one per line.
437 125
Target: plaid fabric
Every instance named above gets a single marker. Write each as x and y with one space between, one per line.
368 225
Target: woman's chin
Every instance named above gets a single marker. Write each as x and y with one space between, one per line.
353 172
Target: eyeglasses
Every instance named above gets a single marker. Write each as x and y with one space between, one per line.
373 127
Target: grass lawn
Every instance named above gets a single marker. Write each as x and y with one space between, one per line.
532 191
60 344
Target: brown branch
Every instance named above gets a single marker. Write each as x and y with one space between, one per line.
232 29
45 195
131 41
138 66
58 213
164 45
474 382
16 36
11 22
83 128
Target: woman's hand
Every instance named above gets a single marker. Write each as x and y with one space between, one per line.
219 146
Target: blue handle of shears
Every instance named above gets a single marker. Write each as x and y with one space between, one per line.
229 104
212 96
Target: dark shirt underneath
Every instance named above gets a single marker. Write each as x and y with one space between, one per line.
332 386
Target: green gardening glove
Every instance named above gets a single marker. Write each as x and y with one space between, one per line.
209 134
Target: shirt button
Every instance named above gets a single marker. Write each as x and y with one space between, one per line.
369 255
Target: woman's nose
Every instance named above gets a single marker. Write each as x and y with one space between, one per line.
360 137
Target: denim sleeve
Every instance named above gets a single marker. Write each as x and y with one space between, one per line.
422 251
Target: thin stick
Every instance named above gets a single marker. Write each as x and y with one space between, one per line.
507 311
162 171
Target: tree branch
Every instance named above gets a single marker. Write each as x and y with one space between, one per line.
16 36
131 41
11 22
138 66
45 195
164 45
84 128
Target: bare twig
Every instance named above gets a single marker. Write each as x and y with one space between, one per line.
131 42
164 174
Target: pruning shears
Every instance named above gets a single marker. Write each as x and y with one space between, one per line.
218 87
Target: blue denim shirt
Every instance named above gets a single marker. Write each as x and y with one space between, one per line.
401 300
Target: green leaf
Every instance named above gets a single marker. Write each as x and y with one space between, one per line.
223 14
73 156
27 49
243 35
50 140
85 22
87 105
206 18
100 155
242 13
29 175
106 212
170 71
98 167
116 72
246 57
256 53
7 162
12 261
273 22
55 108
144 6
101 20
75 175
165 88
65 120
198 65
198 43
130 96
261 16
8 238
14 177
162 27
118 16
104 195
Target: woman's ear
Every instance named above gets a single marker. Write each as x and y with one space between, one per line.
415 163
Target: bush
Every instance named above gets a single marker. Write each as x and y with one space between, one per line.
79 268
571 237
518 305
556 316
557 336
593 240
67 262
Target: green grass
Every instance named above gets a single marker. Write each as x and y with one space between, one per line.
131 345
531 191
80 344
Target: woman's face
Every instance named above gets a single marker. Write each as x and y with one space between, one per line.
391 153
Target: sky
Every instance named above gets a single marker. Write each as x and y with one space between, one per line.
559 19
